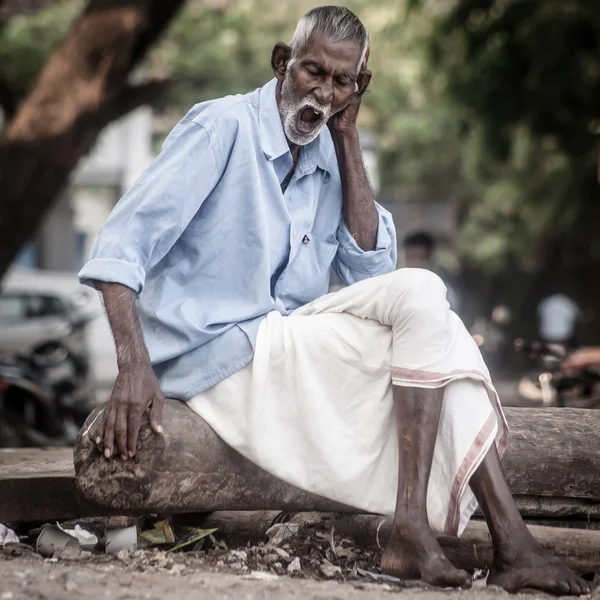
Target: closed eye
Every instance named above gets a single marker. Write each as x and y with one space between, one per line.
343 81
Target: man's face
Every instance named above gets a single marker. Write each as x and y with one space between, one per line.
417 256
317 85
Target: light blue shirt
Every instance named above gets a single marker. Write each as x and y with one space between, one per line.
210 244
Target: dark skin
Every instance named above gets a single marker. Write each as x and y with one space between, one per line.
520 563
328 71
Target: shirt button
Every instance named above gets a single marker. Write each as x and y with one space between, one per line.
305 239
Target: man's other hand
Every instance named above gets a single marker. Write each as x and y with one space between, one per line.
136 390
344 121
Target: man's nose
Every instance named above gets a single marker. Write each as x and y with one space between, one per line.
324 93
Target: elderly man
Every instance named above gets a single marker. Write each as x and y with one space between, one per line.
213 269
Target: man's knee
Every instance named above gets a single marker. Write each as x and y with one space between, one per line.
417 283
418 293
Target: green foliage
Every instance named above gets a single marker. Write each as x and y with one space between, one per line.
491 102
526 74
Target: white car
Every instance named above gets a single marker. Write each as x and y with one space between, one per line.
47 306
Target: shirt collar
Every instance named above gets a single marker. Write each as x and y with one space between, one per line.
274 142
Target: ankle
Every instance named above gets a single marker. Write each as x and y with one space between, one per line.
509 546
410 517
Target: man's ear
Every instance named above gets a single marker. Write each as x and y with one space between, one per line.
279 59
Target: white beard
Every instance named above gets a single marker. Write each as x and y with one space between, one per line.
289 108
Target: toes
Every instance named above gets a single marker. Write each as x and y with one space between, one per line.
453 578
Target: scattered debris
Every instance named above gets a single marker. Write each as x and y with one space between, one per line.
7 536
52 539
292 549
330 571
294 566
196 535
121 539
160 534
85 538
73 554
237 555
280 532
379 577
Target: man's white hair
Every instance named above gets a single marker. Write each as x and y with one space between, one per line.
334 23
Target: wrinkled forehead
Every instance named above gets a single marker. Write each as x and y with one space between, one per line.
339 57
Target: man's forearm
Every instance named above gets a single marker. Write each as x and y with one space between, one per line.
360 214
119 302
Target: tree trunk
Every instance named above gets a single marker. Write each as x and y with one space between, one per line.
552 455
83 87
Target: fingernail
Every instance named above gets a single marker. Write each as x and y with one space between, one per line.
107 453
123 457
160 429
131 454
98 439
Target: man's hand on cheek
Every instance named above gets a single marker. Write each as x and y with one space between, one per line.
344 121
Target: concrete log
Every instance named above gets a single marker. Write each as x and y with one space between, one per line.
553 457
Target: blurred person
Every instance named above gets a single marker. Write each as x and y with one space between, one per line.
419 248
558 316
214 269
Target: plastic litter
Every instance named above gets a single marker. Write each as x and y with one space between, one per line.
160 534
118 540
85 538
7 536
53 539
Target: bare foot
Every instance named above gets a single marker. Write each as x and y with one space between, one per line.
532 567
414 553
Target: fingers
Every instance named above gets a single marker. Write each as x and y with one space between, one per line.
121 428
134 422
156 414
109 430
125 412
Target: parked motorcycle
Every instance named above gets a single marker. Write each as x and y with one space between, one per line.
43 397
550 385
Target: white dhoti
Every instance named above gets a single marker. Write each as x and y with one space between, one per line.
315 409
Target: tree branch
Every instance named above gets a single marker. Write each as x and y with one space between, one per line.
134 96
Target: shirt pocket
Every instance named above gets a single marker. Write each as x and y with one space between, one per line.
307 276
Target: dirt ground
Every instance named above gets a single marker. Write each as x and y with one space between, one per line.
154 575
31 577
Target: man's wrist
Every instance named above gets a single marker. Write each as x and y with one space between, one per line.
345 137
133 361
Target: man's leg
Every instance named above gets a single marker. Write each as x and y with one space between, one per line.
413 551
519 561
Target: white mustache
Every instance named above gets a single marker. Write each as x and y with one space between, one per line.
325 110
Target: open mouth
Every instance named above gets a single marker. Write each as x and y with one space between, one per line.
308 119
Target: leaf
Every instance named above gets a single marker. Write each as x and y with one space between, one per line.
196 537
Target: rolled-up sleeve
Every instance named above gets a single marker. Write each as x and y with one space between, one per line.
353 264
152 215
